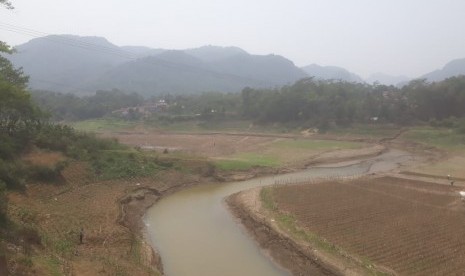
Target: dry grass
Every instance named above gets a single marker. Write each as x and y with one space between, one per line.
58 212
43 158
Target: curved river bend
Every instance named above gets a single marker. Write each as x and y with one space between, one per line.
196 235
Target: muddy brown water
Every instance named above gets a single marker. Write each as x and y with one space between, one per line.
196 235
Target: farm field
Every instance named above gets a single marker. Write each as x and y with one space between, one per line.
240 151
388 224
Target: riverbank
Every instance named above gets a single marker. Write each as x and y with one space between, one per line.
303 253
112 212
135 204
293 255
392 228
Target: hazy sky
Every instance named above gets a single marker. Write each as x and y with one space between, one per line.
409 37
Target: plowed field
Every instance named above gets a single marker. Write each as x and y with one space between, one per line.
411 227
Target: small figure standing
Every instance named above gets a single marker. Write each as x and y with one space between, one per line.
81 235
452 183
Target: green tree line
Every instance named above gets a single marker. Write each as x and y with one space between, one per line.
316 103
70 107
319 102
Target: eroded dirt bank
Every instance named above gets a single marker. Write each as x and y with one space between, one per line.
298 258
134 204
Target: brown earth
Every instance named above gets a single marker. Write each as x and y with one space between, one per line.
297 257
206 145
110 212
388 224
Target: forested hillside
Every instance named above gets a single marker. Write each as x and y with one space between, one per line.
83 65
306 103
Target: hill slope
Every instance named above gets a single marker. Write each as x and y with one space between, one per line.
64 62
331 73
82 65
453 68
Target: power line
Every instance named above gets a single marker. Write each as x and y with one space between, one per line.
70 41
67 41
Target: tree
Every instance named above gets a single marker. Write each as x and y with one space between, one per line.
7 4
17 112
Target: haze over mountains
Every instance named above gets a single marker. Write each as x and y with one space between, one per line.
85 64
82 65
453 68
331 73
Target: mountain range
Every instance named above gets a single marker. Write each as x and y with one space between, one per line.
453 68
82 65
331 73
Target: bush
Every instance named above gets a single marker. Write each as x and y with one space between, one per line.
43 173
460 126
122 164
3 204
12 174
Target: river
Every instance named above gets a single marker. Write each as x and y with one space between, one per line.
196 235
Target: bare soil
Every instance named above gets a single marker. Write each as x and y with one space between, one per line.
299 258
110 212
207 145
394 225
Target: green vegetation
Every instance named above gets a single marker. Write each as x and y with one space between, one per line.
247 160
336 106
443 138
280 152
70 107
3 205
123 164
324 104
25 129
102 124
374 131
266 196
317 144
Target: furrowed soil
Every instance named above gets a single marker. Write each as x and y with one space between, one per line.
386 225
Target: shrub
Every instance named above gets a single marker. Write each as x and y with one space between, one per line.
12 174
460 126
43 173
3 204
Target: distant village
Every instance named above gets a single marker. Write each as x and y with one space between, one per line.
142 110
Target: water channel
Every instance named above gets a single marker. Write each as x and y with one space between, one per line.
196 235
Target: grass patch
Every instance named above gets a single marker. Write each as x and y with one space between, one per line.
452 166
367 131
123 164
96 125
316 144
48 264
204 126
442 138
266 196
244 161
